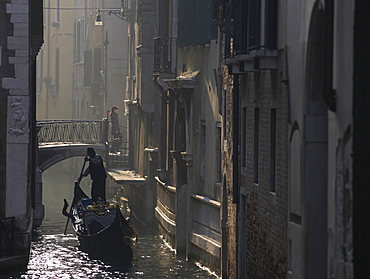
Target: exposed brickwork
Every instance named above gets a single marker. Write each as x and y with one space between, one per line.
266 212
265 253
266 221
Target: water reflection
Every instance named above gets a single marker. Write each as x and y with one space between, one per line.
55 255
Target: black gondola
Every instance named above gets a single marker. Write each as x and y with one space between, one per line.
101 228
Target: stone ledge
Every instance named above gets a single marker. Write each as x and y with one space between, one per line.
125 177
206 243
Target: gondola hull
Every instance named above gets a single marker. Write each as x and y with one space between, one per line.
111 241
102 233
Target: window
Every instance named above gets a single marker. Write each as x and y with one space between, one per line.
79 42
82 39
87 67
256 144
272 149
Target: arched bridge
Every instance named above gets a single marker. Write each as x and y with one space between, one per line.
62 139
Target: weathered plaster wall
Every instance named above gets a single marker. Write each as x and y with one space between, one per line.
204 108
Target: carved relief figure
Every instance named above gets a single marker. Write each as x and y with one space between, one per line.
19 117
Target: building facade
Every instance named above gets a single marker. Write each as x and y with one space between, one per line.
296 191
21 38
189 181
100 58
256 139
175 125
251 134
55 63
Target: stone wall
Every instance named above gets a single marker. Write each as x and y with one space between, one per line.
265 220
6 69
16 84
20 42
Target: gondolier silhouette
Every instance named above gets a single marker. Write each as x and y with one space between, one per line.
97 173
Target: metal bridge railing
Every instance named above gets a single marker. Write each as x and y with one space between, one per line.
73 131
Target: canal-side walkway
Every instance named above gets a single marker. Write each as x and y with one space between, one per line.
130 177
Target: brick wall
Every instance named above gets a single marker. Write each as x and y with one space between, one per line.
266 220
266 212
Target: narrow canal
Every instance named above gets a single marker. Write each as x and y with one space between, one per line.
56 255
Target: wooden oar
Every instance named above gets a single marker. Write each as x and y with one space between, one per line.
78 183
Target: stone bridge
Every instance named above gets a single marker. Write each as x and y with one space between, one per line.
63 139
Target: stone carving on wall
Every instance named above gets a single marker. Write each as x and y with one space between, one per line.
18 125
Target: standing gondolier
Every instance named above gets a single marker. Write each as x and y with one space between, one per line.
97 173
